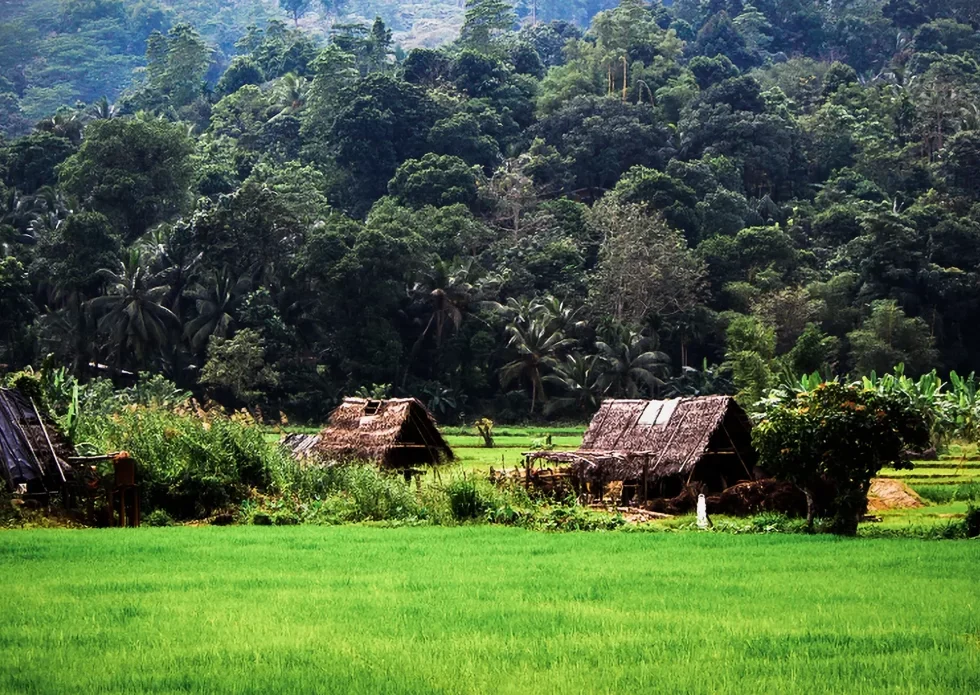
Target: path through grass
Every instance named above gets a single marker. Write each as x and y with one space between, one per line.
483 610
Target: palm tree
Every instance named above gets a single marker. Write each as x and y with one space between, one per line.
539 346
131 314
66 124
635 367
583 381
291 91
215 304
174 262
448 291
101 110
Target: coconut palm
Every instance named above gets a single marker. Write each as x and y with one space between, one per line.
131 315
215 303
101 110
582 381
635 368
447 290
291 91
539 346
66 124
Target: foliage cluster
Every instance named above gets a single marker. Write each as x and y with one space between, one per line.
839 435
572 200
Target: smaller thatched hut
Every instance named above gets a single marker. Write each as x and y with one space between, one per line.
33 451
398 433
664 447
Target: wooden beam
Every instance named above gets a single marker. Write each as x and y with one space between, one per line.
44 429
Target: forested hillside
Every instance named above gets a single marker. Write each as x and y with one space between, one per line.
277 206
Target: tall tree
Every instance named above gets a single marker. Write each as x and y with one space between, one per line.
131 315
137 172
296 8
645 269
484 22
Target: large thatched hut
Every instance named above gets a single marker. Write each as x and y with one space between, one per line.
665 446
397 433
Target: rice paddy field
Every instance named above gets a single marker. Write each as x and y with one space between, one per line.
262 610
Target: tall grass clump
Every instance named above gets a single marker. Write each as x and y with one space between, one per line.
342 494
192 462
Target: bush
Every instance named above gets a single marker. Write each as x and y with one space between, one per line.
158 517
470 499
971 523
346 494
191 463
261 519
286 519
568 518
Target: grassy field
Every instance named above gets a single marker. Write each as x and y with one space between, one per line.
481 610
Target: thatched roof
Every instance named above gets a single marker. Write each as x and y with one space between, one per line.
667 438
26 444
397 433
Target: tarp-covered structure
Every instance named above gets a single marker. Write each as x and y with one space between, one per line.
398 433
33 451
665 445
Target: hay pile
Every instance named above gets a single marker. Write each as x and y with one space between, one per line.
887 493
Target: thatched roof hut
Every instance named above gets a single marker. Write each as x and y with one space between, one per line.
397 433
33 451
668 444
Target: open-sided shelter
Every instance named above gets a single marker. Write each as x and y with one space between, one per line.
397 433
665 446
33 452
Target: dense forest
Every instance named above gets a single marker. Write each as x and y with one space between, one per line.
276 205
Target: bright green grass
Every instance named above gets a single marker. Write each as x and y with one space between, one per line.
483 610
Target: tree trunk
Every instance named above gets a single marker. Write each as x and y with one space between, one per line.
810 509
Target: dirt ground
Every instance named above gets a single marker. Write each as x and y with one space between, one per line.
888 493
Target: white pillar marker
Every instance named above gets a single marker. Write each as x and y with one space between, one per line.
703 520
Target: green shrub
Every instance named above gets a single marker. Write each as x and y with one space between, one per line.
971 523
350 493
576 519
261 519
286 518
158 517
469 499
191 463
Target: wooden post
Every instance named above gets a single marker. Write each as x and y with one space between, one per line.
44 429
735 448
643 480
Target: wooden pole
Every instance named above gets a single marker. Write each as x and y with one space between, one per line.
44 429
646 471
737 453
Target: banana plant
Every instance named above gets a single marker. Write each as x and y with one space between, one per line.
964 402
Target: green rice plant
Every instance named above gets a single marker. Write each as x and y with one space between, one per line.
944 494
481 609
